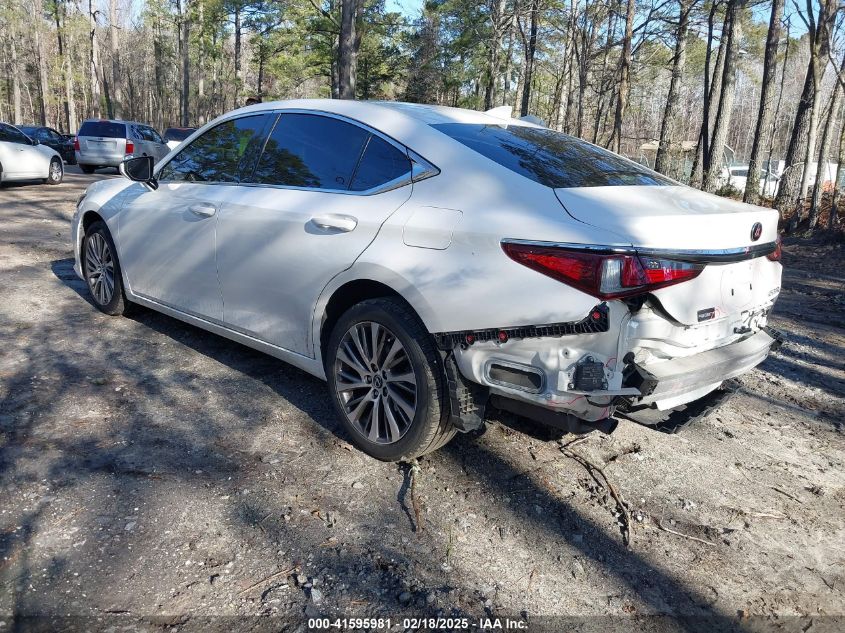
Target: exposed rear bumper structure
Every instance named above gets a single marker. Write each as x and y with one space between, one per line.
661 383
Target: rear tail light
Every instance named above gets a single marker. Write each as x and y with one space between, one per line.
130 146
603 275
776 254
76 143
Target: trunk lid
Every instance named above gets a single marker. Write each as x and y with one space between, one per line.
690 224
673 217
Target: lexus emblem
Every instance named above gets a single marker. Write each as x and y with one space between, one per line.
756 231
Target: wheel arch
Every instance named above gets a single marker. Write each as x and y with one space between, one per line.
347 290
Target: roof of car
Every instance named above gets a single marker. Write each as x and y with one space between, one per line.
428 114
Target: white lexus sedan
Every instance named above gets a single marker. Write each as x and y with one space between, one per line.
430 263
23 158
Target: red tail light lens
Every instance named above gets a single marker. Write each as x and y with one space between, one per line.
776 254
130 146
603 275
76 143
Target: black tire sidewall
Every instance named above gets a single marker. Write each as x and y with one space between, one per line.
428 412
87 169
116 304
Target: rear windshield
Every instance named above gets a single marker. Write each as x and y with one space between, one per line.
107 129
177 134
551 158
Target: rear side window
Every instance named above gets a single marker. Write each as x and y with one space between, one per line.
306 150
106 129
380 163
218 154
550 158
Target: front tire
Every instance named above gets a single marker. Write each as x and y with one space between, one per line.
88 169
56 172
102 270
386 381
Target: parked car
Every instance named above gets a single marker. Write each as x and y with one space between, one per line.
175 135
430 262
24 158
62 143
737 176
106 143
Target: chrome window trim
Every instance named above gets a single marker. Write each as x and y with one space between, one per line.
695 256
421 168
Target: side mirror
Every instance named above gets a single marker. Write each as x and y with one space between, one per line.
139 169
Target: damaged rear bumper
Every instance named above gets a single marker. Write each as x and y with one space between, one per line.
576 377
669 383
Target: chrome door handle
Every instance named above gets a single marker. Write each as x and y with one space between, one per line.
343 223
203 209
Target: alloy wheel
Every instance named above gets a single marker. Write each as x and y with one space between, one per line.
99 265
55 170
375 382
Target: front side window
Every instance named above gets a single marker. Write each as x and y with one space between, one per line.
307 150
550 158
221 154
380 163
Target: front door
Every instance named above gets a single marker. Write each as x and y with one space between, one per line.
167 237
322 189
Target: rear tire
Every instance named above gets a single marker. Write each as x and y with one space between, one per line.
386 381
88 169
56 172
101 269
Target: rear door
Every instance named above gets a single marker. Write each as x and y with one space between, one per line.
321 190
167 236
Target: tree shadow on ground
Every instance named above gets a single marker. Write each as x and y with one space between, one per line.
149 455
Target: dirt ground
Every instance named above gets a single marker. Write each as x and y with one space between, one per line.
156 477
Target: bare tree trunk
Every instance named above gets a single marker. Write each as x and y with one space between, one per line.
347 65
43 86
68 104
238 62
824 147
764 116
506 71
624 79
713 157
530 51
665 149
116 92
186 65
200 66
833 220
802 140
712 81
17 115
93 60
497 8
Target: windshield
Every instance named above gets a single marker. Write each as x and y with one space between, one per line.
551 158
